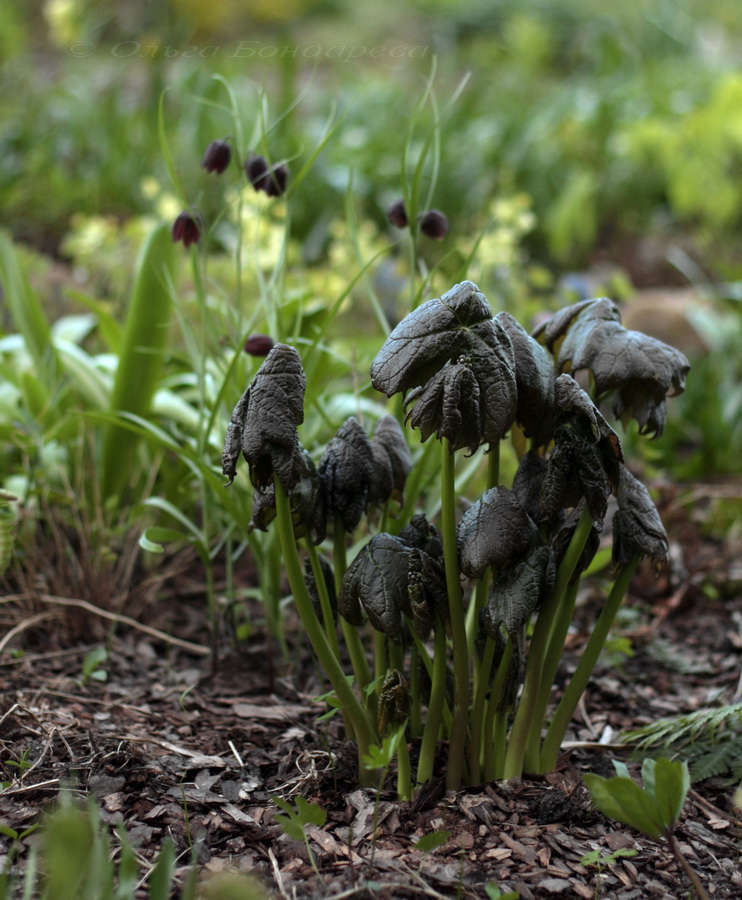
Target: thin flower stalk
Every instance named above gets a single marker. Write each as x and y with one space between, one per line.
436 703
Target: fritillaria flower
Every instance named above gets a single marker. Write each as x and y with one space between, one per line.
186 229
217 157
638 371
262 177
258 345
456 364
433 224
397 214
264 422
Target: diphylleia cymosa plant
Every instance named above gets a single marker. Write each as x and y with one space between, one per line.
487 599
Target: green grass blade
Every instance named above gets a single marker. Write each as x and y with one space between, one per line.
26 311
144 345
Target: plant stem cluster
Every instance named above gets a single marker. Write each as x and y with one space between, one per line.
455 630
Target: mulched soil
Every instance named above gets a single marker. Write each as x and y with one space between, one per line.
171 748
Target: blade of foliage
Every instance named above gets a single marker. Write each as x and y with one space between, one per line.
141 359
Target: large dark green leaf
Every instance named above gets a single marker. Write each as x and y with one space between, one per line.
493 532
534 375
346 472
459 364
392 461
638 370
637 527
586 456
519 591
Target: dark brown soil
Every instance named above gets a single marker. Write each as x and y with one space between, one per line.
170 747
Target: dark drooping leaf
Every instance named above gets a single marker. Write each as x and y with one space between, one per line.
346 472
527 483
458 363
264 422
418 532
448 406
495 531
534 375
519 591
388 580
392 462
586 456
394 701
375 584
302 499
637 527
638 370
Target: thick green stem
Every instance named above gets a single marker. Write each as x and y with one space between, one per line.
519 734
458 736
554 651
495 722
364 732
404 776
585 667
435 705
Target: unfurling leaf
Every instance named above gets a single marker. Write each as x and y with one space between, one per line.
390 579
638 370
392 462
637 527
345 473
534 375
495 531
519 591
264 422
302 498
458 362
586 457
375 584
394 701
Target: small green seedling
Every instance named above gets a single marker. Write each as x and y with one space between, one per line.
294 823
654 809
600 859
494 893
91 664
428 843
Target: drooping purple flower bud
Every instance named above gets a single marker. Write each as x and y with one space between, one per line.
276 180
185 229
433 224
217 157
397 214
258 345
256 168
